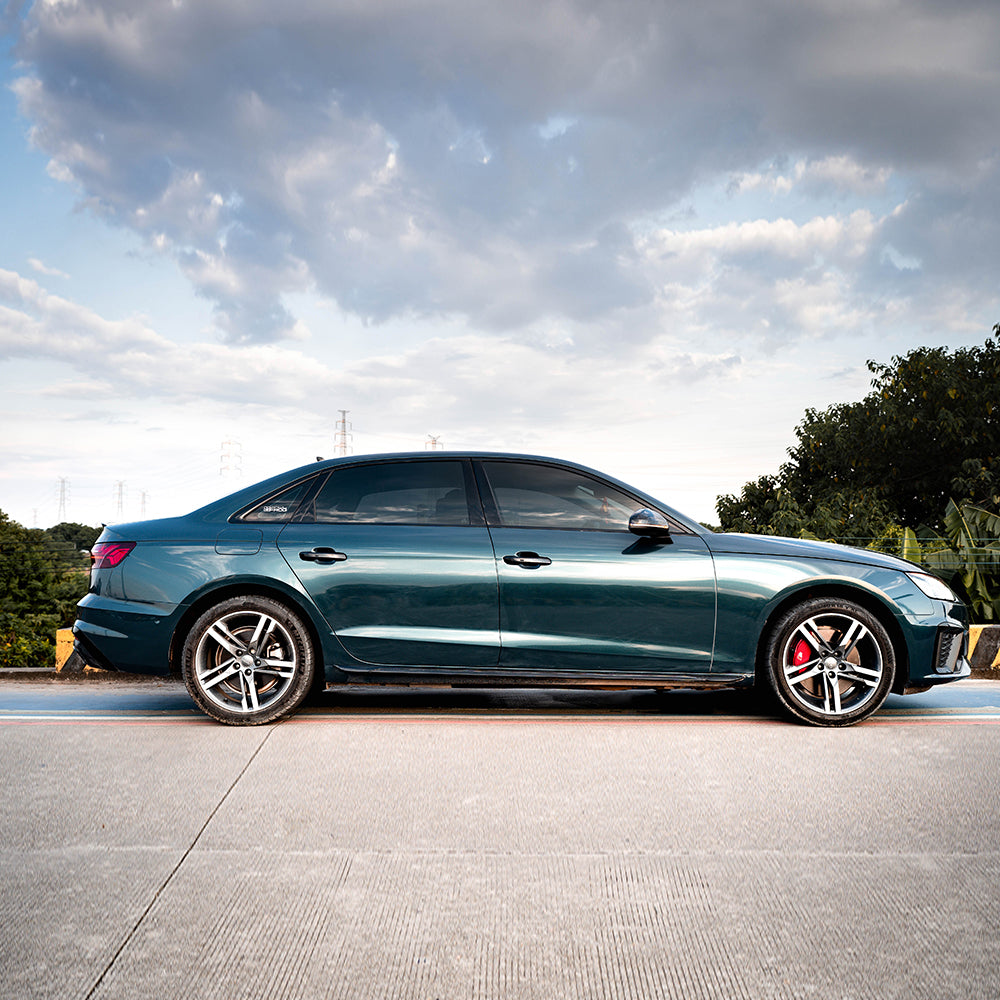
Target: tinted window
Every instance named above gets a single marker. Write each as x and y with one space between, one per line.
394 493
281 506
542 496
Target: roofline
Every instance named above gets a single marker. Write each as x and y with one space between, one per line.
223 507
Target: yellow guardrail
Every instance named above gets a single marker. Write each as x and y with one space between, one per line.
984 648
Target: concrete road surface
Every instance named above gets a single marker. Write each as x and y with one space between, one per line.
518 844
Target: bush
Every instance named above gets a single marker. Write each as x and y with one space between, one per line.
28 640
42 576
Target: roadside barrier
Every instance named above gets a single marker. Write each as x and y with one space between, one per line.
68 662
984 650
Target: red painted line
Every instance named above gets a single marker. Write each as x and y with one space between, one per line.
424 720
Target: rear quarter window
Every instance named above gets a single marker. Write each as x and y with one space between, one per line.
280 506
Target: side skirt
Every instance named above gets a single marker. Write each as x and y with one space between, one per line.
606 681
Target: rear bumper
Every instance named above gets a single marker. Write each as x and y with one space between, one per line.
85 648
124 636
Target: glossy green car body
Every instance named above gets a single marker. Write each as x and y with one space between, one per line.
489 569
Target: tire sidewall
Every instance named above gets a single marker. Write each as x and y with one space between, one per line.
296 692
781 632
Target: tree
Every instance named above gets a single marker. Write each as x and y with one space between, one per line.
929 431
27 577
42 576
71 541
967 556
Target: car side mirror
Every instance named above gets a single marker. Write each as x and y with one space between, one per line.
649 524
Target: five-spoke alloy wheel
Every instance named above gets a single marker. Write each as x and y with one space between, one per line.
248 660
830 662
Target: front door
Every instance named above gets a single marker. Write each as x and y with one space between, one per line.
579 592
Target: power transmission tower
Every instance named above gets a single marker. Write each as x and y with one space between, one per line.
343 434
63 497
119 495
142 502
433 442
230 459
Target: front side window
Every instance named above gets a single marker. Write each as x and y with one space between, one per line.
545 496
431 492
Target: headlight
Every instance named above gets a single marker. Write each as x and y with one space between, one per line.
934 588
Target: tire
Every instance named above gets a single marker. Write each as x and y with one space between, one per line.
830 662
248 661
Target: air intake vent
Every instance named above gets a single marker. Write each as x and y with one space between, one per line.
950 647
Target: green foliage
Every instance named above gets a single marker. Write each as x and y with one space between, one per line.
882 473
765 507
70 543
27 640
967 556
929 430
42 576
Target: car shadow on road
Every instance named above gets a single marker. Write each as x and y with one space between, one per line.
541 702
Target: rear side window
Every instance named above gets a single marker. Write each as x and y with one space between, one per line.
281 506
395 493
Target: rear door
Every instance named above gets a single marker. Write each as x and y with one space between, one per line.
578 591
397 558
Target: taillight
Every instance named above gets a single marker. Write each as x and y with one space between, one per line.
107 555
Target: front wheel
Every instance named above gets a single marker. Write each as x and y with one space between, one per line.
830 662
248 660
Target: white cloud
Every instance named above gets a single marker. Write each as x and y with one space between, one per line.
841 174
452 218
42 268
469 373
453 158
780 237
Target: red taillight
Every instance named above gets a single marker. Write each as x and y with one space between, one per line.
107 555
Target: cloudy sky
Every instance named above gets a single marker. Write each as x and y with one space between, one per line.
641 234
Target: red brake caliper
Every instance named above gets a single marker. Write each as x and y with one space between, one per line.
802 654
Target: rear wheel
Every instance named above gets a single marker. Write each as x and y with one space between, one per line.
248 660
830 662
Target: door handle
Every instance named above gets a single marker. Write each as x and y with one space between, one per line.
323 554
527 560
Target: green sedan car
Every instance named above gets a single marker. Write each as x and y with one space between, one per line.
495 569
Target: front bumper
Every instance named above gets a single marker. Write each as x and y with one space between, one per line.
939 649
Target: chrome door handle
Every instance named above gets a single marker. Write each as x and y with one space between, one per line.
323 554
528 560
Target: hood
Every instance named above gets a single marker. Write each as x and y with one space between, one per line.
775 545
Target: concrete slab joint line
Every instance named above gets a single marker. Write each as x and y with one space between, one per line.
160 890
